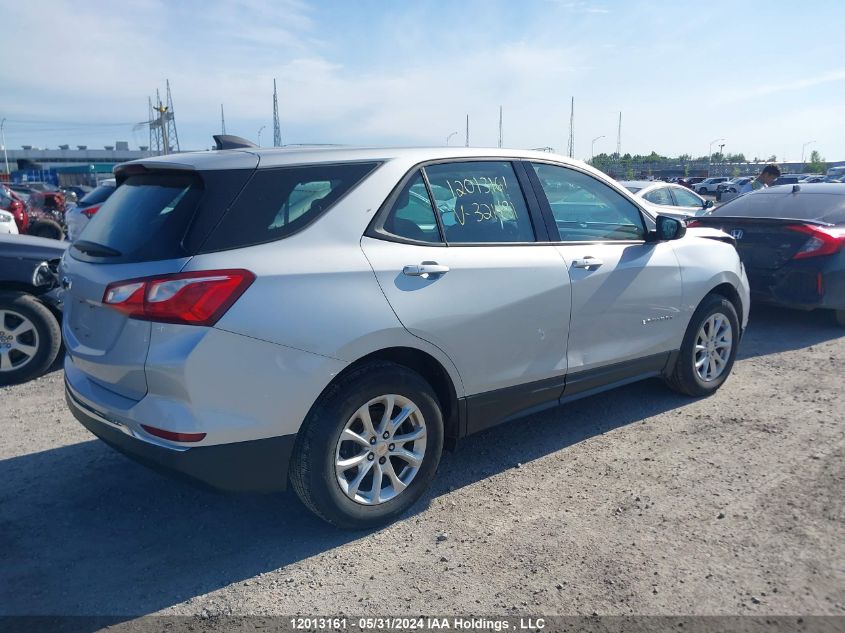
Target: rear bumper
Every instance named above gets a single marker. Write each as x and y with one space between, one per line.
251 466
799 286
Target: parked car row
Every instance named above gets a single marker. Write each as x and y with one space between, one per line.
44 213
670 199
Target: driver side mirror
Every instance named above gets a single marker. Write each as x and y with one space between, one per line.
708 204
667 229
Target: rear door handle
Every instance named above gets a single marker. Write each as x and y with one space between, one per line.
424 270
587 262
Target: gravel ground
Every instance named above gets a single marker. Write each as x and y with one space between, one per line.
634 502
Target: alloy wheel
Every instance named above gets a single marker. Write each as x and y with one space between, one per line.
713 345
380 450
18 340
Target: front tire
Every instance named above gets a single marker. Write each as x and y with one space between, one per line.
708 350
30 337
369 448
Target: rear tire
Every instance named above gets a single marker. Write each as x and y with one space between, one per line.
347 497
47 228
704 363
30 337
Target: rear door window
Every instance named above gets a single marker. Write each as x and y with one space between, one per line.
660 196
480 202
684 198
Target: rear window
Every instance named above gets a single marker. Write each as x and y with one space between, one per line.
144 219
98 195
822 207
278 202
164 215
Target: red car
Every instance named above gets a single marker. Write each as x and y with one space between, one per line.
11 202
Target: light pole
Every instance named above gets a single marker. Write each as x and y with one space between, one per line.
803 147
3 140
259 134
710 154
449 137
592 146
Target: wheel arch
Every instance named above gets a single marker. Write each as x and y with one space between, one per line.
7 287
729 292
433 371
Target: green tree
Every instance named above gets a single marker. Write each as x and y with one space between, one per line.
736 158
772 159
817 164
735 172
629 173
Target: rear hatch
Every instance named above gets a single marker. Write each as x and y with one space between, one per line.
782 235
773 226
150 225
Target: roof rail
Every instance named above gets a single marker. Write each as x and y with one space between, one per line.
229 141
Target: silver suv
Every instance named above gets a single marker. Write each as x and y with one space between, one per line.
333 317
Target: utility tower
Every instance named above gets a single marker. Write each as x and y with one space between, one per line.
467 140
572 129
277 129
222 120
163 135
619 138
500 126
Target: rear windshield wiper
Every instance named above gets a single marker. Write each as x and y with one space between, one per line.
97 250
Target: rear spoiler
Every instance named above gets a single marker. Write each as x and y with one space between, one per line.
717 220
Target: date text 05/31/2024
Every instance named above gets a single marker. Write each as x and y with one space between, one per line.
416 624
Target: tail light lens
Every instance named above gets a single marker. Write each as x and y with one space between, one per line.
693 223
823 240
90 211
195 298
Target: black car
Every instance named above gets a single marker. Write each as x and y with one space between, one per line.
791 240
30 306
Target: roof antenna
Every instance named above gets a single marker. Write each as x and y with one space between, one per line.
230 141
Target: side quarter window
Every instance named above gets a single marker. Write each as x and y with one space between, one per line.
585 209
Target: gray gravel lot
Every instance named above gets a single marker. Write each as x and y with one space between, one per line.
638 501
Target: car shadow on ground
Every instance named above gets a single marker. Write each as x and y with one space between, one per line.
772 329
84 530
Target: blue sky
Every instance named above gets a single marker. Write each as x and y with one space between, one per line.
766 76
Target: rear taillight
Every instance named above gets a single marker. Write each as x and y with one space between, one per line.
823 240
196 298
90 211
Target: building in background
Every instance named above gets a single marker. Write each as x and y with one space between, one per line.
66 166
